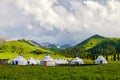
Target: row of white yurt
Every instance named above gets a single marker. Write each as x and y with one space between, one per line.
49 61
46 61
19 60
101 60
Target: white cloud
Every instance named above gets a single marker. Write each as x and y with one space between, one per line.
29 26
72 23
47 13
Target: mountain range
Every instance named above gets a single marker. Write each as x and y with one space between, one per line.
50 46
94 45
25 48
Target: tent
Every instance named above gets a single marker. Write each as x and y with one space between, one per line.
61 61
101 60
4 61
32 61
77 61
37 60
19 60
47 61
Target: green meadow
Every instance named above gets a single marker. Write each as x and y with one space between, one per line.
11 56
110 71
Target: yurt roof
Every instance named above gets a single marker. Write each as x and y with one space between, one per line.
47 58
37 59
77 59
100 58
19 58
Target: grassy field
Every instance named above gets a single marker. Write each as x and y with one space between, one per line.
110 71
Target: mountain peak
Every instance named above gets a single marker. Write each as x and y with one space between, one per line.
97 36
95 39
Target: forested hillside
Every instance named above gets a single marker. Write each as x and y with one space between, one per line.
94 46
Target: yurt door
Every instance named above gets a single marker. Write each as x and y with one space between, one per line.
16 62
100 62
44 64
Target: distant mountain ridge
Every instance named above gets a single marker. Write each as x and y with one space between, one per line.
65 46
35 43
50 46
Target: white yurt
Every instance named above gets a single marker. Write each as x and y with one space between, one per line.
61 61
101 60
77 61
19 60
47 61
32 61
37 60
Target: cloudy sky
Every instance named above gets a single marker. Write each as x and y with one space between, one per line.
59 21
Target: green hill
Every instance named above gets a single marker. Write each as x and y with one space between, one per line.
92 41
110 46
94 45
22 47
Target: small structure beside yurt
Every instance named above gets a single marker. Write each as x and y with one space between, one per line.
47 61
4 61
101 60
32 61
77 61
19 60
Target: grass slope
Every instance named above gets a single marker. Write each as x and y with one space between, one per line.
92 42
54 49
14 48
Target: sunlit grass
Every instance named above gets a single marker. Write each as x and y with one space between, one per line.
109 71
10 56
